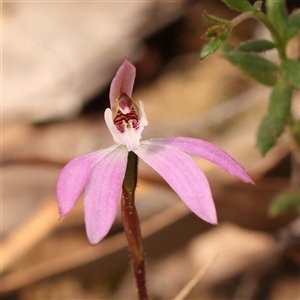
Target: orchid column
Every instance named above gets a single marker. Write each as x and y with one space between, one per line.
108 173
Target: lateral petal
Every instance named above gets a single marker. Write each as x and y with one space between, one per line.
183 175
73 178
207 151
123 81
102 194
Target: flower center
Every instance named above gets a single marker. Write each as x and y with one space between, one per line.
126 117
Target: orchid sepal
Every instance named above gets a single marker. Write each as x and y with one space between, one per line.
73 178
183 175
207 151
122 82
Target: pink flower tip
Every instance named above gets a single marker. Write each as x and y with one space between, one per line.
122 82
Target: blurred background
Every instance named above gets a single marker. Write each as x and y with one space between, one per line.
58 59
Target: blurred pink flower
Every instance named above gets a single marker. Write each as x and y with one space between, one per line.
102 172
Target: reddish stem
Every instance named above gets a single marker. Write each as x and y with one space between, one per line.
131 225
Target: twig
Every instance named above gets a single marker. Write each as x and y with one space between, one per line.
194 281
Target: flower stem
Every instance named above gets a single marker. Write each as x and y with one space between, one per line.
131 225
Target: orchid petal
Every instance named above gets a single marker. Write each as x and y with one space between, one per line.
73 178
183 175
144 120
102 194
116 134
122 82
207 151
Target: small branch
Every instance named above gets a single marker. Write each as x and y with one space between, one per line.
280 44
241 18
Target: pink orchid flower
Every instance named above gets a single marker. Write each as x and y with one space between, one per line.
102 172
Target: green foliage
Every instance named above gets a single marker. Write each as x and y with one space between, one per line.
284 77
240 5
219 32
278 15
273 124
285 202
280 103
293 26
266 135
256 46
214 19
295 130
291 70
257 6
255 66
210 48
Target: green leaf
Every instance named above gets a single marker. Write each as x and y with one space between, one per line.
293 26
228 48
278 15
280 104
255 66
256 46
285 202
273 124
210 48
257 6
295 131
214 19
239 5
220 32
265 136
291 70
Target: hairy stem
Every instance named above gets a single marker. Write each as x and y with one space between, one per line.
261 17
280 44
241 18
131 225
